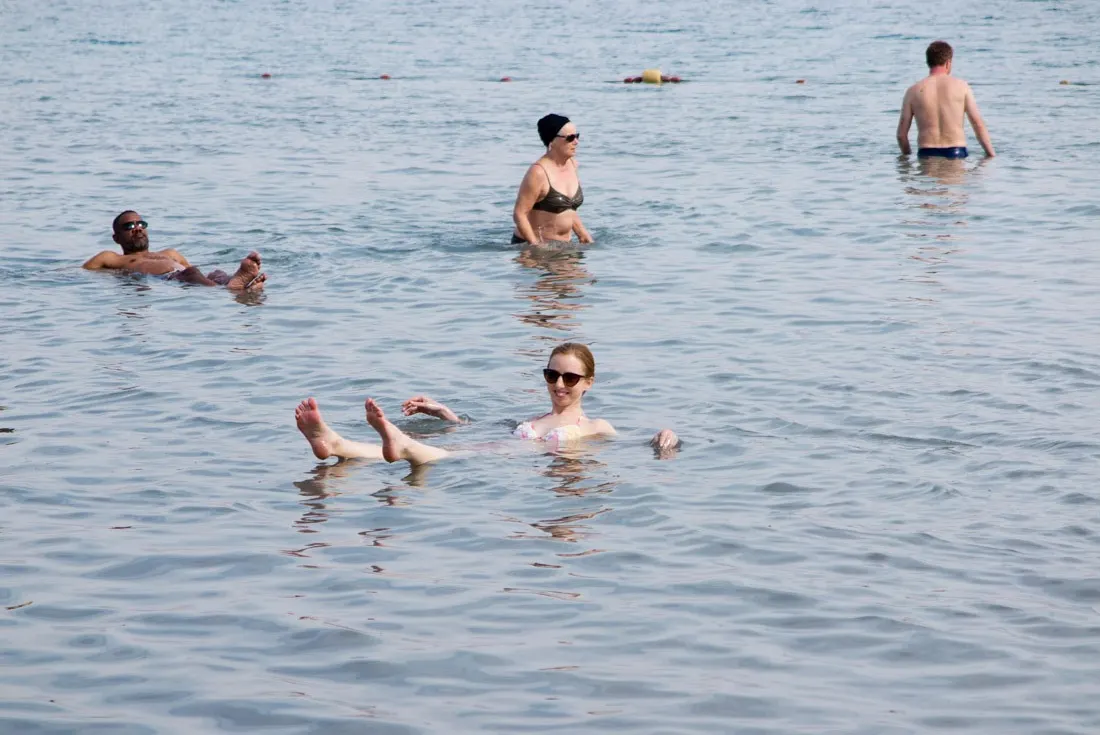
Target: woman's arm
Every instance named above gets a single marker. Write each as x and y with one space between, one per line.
425 405
665 443
579 229
533 187
665 439
599 427
578 226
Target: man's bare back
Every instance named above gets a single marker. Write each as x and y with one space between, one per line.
938 103
130 232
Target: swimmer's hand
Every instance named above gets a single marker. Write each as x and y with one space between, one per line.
665 443
425 405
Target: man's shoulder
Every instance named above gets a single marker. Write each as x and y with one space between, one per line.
914 89
103 259
951 84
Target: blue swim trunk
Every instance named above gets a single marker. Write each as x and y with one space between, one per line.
956 152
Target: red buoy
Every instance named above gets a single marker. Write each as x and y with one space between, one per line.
384 76
799 81
265 75
506 79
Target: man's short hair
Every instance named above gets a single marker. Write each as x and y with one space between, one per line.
938 53
118 219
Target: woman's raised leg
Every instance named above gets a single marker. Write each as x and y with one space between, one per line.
396 444
324 441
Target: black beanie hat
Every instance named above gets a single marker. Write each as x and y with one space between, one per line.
550 125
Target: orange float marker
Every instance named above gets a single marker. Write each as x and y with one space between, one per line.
799 81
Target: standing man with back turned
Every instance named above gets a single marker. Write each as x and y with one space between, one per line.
938 102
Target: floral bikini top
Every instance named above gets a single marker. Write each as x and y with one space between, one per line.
526 430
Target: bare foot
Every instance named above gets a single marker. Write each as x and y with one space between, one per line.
248 276
394 441
321 438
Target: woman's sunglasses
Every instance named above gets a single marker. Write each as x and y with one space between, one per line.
570 379
570 138
127 226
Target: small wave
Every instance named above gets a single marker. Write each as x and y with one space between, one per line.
95 41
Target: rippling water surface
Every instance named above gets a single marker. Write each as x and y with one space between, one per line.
885 516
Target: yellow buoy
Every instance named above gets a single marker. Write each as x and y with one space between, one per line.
651 76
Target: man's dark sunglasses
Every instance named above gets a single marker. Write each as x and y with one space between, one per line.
127 226
570 138
570 379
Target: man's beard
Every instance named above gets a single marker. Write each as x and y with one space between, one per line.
137 246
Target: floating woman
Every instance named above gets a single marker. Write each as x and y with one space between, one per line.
569 374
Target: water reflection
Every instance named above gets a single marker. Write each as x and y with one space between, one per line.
568 528
332 480
140 283
554 301
250 298
132 317
936 209
573 470
315 491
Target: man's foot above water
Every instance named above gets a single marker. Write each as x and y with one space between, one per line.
248 277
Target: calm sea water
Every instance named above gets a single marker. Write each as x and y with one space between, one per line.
885 518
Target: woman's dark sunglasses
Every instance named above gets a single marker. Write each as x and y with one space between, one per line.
570 379
127 226
570 138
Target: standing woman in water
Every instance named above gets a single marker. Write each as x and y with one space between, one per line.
550 193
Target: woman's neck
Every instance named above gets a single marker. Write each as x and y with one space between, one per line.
561 160
574 409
